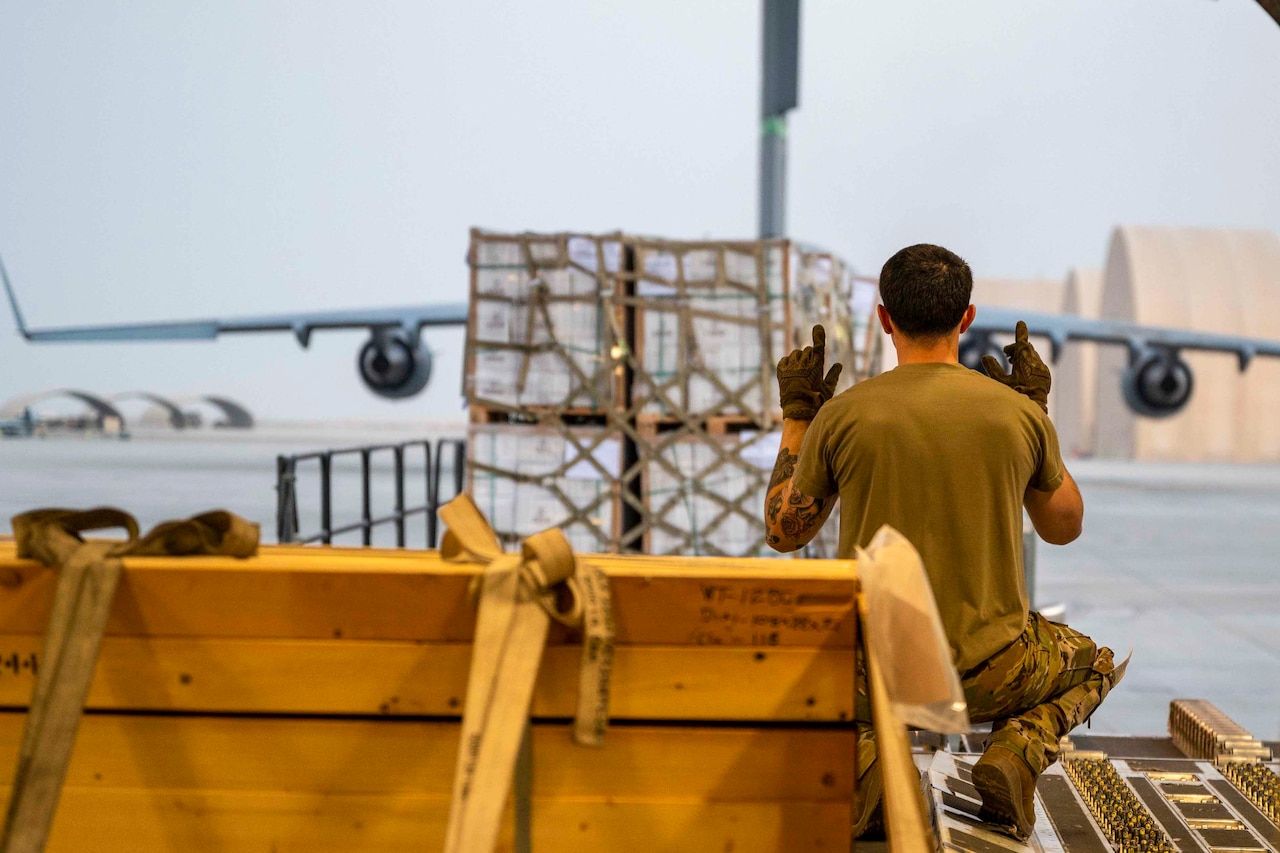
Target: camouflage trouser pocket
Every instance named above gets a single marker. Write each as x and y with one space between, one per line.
1047 660
1078 657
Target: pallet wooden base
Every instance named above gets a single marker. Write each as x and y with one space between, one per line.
713 425
573 416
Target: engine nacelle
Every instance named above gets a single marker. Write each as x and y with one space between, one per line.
973 347
391 367
1157 384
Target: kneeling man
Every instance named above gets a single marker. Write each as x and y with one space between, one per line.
950 458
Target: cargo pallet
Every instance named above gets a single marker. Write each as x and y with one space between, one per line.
669 346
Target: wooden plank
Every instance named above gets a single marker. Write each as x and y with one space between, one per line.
376 594
416 757
142 821
361 677
150 821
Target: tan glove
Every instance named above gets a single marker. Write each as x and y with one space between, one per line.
1030 375
800 382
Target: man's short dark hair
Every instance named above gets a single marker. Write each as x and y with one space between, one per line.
926 289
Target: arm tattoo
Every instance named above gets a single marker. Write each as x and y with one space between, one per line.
775 507
803 512
783 468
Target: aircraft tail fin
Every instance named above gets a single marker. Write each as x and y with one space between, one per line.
13 302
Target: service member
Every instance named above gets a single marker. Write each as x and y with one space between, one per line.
950 458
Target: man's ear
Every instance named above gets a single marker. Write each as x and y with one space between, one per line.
885 322
967 320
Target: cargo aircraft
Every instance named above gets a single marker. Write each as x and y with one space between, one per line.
396 362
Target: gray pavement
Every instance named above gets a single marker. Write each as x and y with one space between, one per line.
1178 563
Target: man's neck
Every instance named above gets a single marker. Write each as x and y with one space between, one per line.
943 351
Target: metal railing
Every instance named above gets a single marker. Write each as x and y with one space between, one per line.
448 455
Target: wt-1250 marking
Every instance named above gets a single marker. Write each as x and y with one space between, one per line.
765 615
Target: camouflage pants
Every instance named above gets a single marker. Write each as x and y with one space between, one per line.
1034 691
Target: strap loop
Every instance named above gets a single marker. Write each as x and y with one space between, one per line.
88 575
518 596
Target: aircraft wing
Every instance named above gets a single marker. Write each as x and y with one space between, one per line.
411 319
1060 328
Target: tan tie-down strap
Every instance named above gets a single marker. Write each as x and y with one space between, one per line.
88 574
519 595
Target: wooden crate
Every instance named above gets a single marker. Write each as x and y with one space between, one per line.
698 327
309 698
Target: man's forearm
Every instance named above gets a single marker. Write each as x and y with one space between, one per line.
788 455
792 518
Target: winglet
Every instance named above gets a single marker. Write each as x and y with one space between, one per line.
1057 341
13 303
302 333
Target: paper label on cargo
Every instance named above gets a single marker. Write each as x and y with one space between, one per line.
774 263
661 265
493 321
582 251
538 509
489 254
500 283
654 289
700 265
740 268
557 282
495 375
612 251
607 454
760 450
544 251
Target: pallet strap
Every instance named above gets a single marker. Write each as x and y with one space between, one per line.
520 593
88 574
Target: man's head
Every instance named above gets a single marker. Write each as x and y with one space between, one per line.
925 290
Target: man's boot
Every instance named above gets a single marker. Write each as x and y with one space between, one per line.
1007 786
868 798
868 807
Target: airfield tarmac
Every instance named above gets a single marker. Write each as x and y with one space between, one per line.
1178 562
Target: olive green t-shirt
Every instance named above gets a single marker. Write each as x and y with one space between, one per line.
943 454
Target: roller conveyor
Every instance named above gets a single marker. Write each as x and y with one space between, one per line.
1210 788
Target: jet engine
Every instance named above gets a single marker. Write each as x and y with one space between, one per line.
1157 384
391 366
974 347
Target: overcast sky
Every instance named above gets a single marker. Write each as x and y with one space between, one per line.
165 160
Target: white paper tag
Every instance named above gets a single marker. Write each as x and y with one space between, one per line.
762 451
612 251
653 289
606 453
700 265
661 265
582 251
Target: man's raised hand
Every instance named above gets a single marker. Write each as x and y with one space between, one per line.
1029 374
801 385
